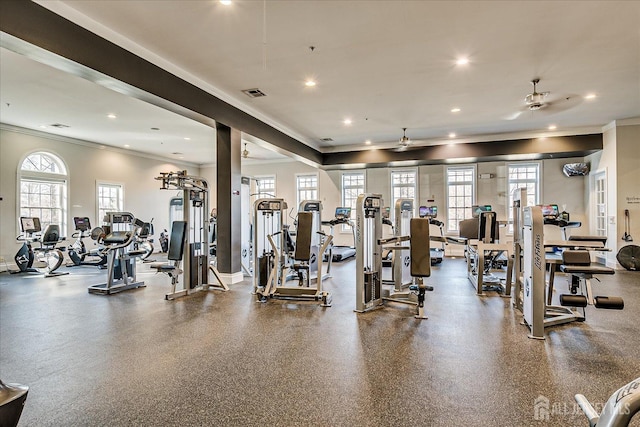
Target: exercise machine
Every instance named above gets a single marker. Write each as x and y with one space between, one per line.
317 238
121 257
47 252
619 410
369 244
175 254
537 310
431 213
342 216
519 202
276 286
193 208
78 253
144 242
268 219
483 253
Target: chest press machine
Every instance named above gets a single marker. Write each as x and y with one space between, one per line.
369 245
195 237
271 255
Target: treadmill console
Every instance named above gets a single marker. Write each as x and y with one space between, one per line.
386 212
406 206
312 207
428 212
550 211
476 210
30 225
343 213
271 205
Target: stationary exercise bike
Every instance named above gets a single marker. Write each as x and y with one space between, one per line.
47 252
78 252
143 242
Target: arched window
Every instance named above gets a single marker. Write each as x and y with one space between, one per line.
43 189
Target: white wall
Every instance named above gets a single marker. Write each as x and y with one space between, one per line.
86 164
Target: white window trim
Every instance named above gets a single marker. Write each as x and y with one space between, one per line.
298 189
97 200
66 178
474 192
392 206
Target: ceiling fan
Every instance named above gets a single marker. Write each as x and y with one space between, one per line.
537 101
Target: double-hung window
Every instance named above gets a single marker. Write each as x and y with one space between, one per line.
353 185
523 175
307 187
461 182
403 186
266 186
110 199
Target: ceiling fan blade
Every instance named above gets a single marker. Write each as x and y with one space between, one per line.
563 103
512 116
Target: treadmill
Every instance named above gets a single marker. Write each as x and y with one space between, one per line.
431 212
340 253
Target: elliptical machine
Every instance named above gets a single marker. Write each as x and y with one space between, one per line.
78 253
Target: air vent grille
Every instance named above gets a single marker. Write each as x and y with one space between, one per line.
326 139
59 126
254 93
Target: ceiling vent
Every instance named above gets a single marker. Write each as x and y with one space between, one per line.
254 93
59 126
326 139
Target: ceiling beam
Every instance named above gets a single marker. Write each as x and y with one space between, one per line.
532 148
69 47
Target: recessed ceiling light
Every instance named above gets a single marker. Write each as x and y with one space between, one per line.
347 121
112 116
43 126
126 146
368 142
452 135
102 147
310 83
186 138
225 2
462 61
181 157
590 96
455 110
552 127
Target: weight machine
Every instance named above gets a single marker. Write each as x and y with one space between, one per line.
121 229
369 245
195 212
317 238
538 312
400 257
277 254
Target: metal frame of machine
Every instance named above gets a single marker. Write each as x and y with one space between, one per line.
196 263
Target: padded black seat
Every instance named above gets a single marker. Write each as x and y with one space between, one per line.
602 239
175 253
579 262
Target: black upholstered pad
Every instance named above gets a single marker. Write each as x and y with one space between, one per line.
303 236
176 241
576 257
583 269
420 248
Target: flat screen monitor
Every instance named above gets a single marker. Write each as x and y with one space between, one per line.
550 210
30 225
428 211
82 223
478 209
343 213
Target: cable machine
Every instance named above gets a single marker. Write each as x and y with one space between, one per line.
195 211
368 252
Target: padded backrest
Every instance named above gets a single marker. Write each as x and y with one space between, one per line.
487 227
469 228
51 235
303 236
176 241
145 231
602 239
420 247
574 257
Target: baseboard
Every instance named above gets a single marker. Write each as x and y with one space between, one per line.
231 278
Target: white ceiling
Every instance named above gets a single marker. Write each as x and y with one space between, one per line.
383 64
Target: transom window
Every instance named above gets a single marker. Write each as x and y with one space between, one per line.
43 189
461 183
